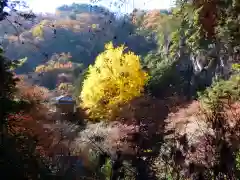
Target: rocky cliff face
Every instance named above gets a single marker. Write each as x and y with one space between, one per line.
206 65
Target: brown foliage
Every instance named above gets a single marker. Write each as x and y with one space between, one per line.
206 142
31 92
30 121
208 16
187 120
23 123
141 122
152 19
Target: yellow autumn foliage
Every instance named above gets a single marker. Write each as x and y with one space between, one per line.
37 31
67 87
40 68
115 78
52 66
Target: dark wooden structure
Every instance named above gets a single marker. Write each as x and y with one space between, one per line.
65 104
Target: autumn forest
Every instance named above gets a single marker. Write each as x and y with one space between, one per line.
87 93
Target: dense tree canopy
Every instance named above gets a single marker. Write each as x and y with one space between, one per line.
115 78
166 82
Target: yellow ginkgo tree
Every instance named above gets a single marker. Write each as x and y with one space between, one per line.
37 31
115 78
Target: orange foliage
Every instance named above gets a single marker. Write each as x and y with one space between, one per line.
32 93
152 19
63 65
45 68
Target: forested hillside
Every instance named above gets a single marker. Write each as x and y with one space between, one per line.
82 30
157 92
